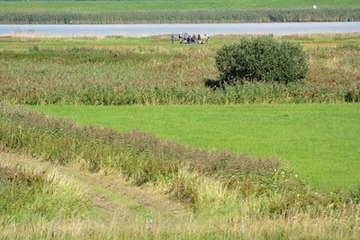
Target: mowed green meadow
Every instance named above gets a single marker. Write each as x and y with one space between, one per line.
320 142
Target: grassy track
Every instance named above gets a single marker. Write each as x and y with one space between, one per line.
105 6
319 141
78 205
118 211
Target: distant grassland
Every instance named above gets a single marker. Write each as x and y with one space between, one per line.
185 11
319 141
147 5
152 71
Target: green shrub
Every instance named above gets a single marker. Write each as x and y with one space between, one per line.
261 59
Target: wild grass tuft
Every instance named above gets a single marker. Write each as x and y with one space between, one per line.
27 197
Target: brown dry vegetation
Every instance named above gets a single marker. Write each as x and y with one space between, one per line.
335 66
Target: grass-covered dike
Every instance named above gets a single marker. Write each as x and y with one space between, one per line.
319 141
217 186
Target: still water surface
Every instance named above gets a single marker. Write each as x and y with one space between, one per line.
138 30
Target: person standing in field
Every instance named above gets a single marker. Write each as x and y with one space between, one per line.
207 37
181 37
172 37
199 39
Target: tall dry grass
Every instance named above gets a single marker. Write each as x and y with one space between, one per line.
32 200
221 213
163 75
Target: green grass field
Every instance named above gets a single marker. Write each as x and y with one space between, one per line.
105 6
36 69
320 142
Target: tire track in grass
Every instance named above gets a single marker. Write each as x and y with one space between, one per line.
117 202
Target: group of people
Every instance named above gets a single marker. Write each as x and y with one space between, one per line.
188 38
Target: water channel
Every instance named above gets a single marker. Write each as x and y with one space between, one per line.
138 30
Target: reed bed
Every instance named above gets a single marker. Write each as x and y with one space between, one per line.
155 74
247 93
187 16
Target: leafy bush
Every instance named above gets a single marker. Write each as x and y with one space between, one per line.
261 59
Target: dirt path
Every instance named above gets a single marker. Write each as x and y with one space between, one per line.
118 202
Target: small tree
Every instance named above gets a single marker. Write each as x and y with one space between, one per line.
261 59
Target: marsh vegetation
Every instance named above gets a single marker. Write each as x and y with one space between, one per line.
221 194
114 71
202 11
